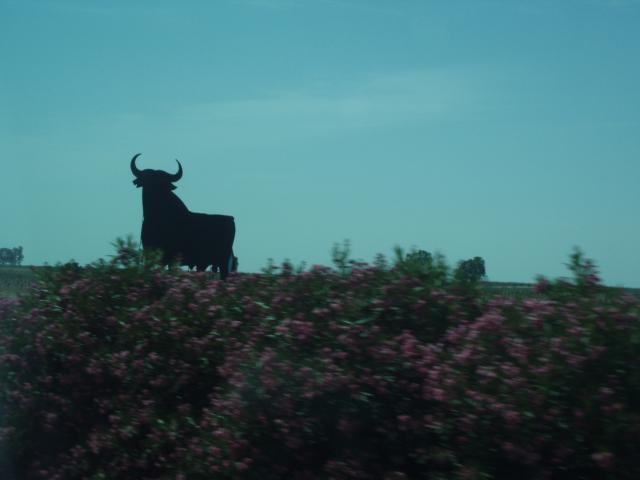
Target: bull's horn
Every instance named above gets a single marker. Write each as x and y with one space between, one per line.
134 169
177 176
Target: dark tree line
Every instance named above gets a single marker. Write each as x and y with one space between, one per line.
471 270
11 256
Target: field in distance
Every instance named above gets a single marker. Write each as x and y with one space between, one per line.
14 280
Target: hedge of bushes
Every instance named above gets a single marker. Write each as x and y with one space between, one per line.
123 370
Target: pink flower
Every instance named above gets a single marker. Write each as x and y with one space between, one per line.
345 426
468 423
436 394
576 360
464 355
511 417
604 460
491 321
509 448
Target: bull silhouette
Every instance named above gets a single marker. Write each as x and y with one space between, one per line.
192 239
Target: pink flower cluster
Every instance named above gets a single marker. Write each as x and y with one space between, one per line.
125 370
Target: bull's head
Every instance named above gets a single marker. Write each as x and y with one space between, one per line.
154 178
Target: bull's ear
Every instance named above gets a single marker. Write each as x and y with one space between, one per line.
173 187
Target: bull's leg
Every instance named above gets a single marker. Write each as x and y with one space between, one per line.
226 267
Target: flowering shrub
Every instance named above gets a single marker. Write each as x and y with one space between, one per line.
125 370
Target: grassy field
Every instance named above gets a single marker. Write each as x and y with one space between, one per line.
14 280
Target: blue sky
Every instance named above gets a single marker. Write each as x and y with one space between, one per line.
504 129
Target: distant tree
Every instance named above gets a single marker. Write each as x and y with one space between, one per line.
340 256
11 256
420 257
19 256
471 270
431 268
5 256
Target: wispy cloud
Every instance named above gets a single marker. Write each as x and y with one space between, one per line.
616 3
380 101
364 5
98 8
269 4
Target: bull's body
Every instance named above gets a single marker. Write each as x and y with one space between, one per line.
193 239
